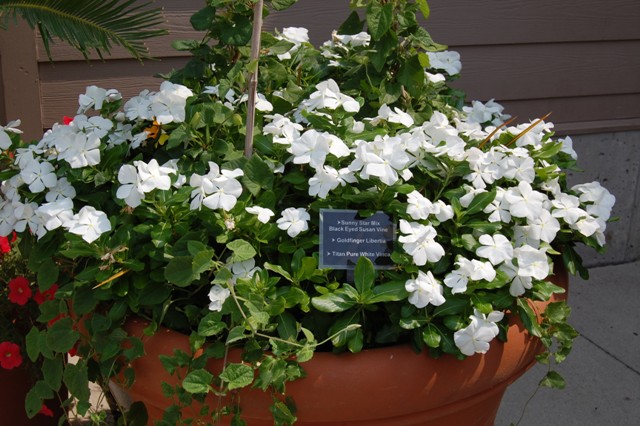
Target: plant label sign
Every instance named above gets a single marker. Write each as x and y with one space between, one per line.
345 237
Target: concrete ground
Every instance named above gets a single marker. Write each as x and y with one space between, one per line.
603 370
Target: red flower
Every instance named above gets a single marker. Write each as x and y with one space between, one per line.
67 120
74 350
5 243
19 290
10 355
41 297
5 247
46 411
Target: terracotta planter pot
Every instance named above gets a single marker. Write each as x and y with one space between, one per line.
388 386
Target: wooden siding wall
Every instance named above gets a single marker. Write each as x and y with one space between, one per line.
579 59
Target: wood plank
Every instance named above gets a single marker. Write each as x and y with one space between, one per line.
20 78
550 70
586 110
485 22
482 22
3 111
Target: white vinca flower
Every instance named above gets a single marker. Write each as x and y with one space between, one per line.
383 158
327 179
458 279
95 96
264 214
57 213
245 269
217 189
419 242
10 127
518 285
385 113
424 290
524 201
294 221
62 189
532 262
89 223
130 190
295 35
217 296
7 218
310 148
39 175
354 40
496 248
168 105
328 96
447 60
83 150
152 175
139 107
598 199
475 338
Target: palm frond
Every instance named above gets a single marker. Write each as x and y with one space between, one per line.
89 25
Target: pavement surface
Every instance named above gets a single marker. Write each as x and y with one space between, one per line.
602 372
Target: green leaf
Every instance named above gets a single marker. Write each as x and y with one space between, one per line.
431 336
235 334
211 325
52 372
352 25
237 376
283 413
412 76
379 19
389 292
179 271
242 250
76 380
35 398
528 317
452 306
424 8
238 32
278 270
333 302
47 274
282 4
197 381
356 341
61 336
553 380
32 340
257 175
364 275
272 372
287 326
479 202
202 19
573 262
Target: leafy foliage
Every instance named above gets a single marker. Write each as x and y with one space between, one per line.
171 221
